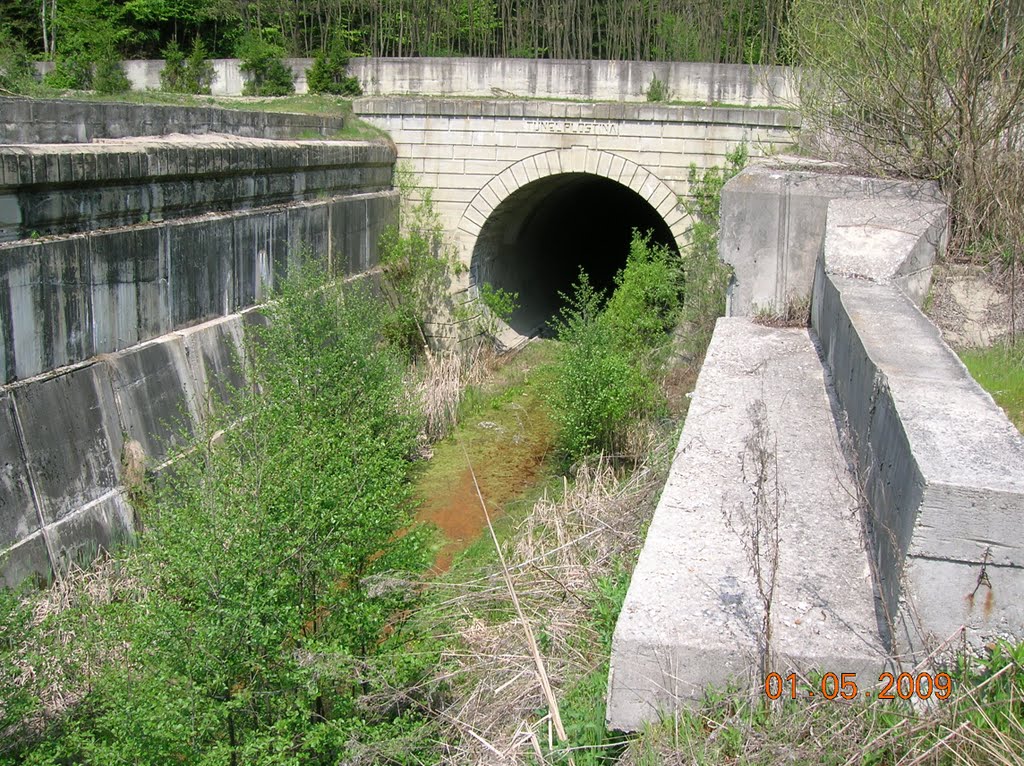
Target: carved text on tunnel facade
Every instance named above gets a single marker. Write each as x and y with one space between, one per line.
573 126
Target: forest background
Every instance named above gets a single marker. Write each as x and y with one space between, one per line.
728 31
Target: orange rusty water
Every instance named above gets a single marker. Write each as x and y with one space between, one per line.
507 444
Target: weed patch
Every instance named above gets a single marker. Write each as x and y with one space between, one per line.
1000 371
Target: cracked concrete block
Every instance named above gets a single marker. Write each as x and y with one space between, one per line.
692 615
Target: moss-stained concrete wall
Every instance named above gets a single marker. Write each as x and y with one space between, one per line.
117 334
231 212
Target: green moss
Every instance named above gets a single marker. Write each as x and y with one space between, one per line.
505 430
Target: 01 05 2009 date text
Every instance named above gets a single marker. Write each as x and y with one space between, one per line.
844 686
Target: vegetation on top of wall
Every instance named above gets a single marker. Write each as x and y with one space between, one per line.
417 263
186 74
329 73
657 90
930 89
261 53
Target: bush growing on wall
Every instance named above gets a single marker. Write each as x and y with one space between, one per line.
417 263
705 276
329 73
261 55
186 74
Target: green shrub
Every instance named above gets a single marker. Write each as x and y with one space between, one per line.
648 293
103 74
611 356
705 277
109 76
499 303
329 73
89 35
599 390
417 264
268 580
266 73
70 73
657 90
186 74
16 72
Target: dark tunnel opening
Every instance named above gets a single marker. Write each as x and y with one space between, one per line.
535 242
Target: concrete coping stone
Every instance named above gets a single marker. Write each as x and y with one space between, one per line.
470 107
176 155
692 616
879 239
957 433
118 119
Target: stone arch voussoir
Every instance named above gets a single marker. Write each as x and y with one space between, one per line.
575 160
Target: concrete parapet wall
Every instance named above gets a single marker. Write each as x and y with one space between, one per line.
49 121
872 434
228 80
738 84
47 189
693 615
940 466
585 80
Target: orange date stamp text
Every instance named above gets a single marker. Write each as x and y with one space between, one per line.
844 686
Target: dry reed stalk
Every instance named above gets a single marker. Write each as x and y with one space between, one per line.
443 379
551 564
53 659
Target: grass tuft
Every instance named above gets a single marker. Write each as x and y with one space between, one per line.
1000 371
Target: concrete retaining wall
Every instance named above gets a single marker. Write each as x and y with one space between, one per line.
69 121
48 121
49 189
940 466
61 493
67 299
735 84
220 221
773 227
62 433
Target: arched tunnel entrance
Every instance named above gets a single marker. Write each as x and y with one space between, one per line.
535 242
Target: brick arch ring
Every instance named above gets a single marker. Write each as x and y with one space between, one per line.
578 159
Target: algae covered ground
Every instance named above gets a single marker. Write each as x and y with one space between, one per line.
506 433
